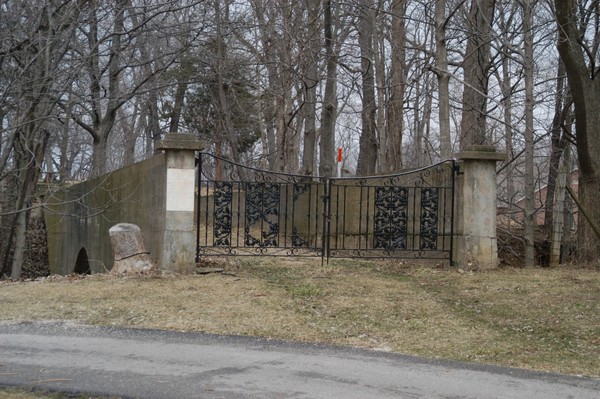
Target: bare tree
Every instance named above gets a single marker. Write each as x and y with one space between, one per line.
32 83
275 22
561 136
529 126
578 43
329 110
443 76
310 82
507 13
476 73
224 111
112 49
367 157
397 80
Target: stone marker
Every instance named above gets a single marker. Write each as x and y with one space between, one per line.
131 255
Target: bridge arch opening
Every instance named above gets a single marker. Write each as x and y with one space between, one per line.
82 265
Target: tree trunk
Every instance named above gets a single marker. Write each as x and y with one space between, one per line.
443 77
266 132
506 85
425 124
276 56
476 70
288 159
29 173
65 133
129 129
379 57
103 115
311 82
99 155
19 253
558 141
219 172
221 97
418 133
182 85
506 88
367 157
5 156
585 89
568 220
529 220
397 79
558 221
329 111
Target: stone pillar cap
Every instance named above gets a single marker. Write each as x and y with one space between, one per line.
177 141
482 152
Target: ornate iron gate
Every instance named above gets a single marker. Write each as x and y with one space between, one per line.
247 211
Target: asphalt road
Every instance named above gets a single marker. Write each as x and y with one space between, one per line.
160 364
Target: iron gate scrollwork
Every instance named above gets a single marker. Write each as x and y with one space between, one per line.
248 211
262 206
391 218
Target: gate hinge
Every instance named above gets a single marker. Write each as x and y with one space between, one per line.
456 169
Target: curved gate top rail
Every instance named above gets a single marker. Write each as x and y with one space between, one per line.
248 211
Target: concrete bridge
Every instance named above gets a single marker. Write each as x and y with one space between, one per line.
159 196
156 194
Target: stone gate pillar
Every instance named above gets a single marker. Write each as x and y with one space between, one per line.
179 245
476 243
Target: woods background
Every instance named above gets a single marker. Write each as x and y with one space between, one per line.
87 87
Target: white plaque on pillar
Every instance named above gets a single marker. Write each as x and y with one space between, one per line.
180 190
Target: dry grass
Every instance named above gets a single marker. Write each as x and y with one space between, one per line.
6 393
21 393
545 319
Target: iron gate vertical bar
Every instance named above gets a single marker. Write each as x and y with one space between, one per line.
344 220
414 217
442 216
293 221
239 214
285 217
360 213
243 223
325 227
321 214
367 241
280 222
198 207
206 213
329 185
308 221
262 219
454 172
337 215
